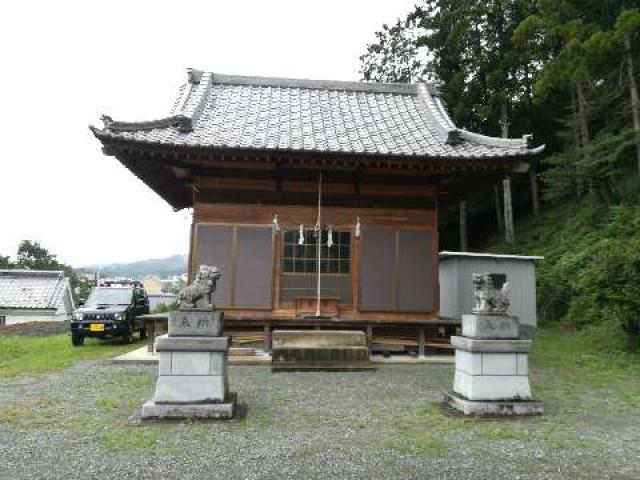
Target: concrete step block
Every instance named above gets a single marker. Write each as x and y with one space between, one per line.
190 389
492 387
319 338
323 354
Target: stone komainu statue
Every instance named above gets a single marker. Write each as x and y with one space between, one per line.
198 294
490 293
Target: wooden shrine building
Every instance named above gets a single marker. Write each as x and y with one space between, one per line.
271 166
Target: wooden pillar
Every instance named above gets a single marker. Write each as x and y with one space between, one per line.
535 196
191 259
506 183
508 212
277 268
355 272
504 121
463 226
499 213
421 341
370 339
267 338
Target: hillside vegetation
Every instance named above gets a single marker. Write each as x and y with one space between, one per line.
162 267
568 73
589 279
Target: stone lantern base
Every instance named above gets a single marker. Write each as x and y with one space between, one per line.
192 371
492 368
494 408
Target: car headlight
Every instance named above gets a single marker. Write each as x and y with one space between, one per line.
77 316
119 316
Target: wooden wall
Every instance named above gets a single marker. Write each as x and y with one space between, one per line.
412 229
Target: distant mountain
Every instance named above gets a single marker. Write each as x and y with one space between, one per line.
161 267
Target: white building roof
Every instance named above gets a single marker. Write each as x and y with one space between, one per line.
32 289
447 255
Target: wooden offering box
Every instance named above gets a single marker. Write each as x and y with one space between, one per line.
307 306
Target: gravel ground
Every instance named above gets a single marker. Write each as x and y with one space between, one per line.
82 423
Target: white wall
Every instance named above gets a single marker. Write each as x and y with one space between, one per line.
22 316
456 288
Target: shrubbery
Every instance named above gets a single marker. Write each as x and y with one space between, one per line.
167 307
591 271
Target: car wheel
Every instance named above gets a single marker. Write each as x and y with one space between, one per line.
77 339
143 334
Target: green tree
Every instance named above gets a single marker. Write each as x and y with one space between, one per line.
612 285
5 262
466 46
582 45
31 255
486 80
627 32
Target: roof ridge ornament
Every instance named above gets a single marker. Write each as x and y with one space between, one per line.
194 75
454 137
186 115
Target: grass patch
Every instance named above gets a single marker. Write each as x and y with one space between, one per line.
131 438
589 357
592 351
416 443
425 431
17 413
587 283
22 355
32 413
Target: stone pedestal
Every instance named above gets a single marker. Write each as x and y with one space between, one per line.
491 376
192 371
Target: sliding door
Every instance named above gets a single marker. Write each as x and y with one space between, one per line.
244 254
397 270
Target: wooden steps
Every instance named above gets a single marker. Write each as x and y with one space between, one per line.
320 350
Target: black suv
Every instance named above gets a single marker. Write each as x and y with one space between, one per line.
111 310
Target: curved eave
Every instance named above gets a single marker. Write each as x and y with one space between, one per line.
156 164
110 138
437 112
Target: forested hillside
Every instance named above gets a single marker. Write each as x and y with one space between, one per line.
161 267
590 276
566 72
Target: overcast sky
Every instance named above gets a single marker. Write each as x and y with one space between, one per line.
66 63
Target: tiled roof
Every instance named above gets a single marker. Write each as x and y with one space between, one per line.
275 114
32 289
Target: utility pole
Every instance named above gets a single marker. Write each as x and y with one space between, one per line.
463 226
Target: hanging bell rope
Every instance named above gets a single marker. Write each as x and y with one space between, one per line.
318 242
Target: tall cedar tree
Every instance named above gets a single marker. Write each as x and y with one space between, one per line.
486 80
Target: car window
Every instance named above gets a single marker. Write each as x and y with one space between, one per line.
108 296
140 294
